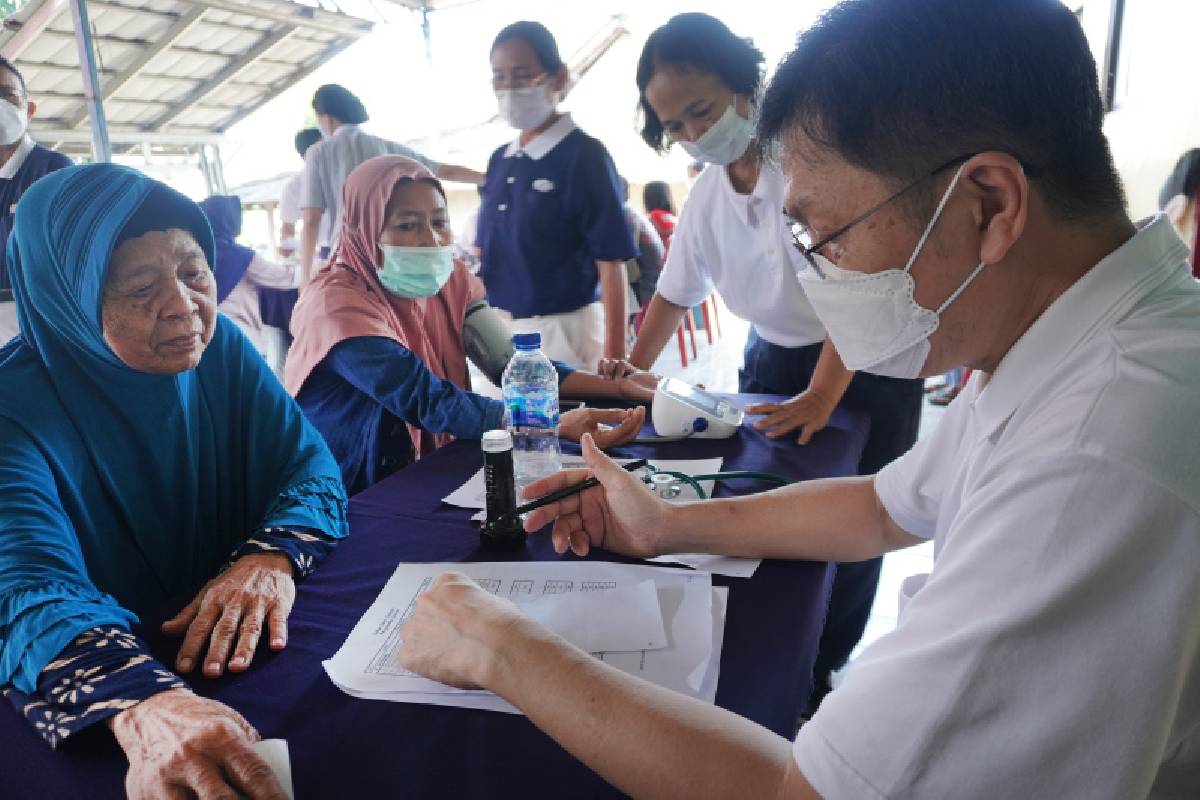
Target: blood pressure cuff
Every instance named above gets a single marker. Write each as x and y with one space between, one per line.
487 340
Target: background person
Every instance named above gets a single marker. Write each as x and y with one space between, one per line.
240 271
145 449
1179 200
551 225
291 198
329 162
22 161
656 199
651 251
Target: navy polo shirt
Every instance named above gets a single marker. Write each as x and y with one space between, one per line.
39 161
550 211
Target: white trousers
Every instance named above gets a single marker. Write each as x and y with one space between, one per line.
575 338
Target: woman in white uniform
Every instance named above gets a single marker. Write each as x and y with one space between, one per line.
699 86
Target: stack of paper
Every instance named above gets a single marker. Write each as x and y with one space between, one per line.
472 494
664 625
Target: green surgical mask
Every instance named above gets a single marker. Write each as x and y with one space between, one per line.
414 272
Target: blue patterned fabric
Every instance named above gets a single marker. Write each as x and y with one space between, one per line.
121 489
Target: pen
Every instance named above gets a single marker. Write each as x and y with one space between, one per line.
567 491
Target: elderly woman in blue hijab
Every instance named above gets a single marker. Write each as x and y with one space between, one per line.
144 446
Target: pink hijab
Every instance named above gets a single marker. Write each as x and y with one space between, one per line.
346 299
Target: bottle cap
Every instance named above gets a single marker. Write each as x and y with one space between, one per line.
497 441
527 341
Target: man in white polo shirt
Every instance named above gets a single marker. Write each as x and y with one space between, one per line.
956 203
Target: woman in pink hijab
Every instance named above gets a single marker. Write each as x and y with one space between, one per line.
379 363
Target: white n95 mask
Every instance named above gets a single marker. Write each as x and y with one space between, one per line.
874 320
726 141
13 121
525 108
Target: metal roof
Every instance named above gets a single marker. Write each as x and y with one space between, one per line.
174 73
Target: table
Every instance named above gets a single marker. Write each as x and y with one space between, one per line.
346 748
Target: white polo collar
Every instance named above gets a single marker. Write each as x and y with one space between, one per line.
9 170
752 208
345 127
544 142
1104 294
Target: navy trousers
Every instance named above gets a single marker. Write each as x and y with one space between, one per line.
894 407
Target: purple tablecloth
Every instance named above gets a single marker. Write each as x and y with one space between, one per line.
347 748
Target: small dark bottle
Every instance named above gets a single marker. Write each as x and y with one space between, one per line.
501 528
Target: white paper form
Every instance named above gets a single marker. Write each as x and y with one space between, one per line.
275 753
367 666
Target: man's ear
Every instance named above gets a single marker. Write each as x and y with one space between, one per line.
1001 192
30 109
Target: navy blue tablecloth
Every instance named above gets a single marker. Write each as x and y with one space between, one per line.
347 748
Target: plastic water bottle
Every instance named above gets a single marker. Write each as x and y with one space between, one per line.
530 385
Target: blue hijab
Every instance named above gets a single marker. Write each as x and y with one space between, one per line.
120 489
224 212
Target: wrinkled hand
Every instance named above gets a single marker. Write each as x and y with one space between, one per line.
627 424
182 745
809 411
234 604
621 514
447 638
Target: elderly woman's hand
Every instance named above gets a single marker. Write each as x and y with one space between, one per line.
234 605
625 425
182 745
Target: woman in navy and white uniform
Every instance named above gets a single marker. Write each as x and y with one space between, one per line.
698 85
552 234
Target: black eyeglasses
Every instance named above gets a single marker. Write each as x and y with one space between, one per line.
802 237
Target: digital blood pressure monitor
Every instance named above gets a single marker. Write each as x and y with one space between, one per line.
680 409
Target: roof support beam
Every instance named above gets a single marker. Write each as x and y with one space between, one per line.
36 23
291 80
101 147
290 13
181 26
221 78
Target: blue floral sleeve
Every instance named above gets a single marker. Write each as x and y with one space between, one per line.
304 547
102 672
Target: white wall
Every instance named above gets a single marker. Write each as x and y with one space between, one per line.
1157 115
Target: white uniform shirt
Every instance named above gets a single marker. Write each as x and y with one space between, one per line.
741 245
329 162
241 305
1054 650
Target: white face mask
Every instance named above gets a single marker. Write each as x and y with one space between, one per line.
726 141
873 319
13 121
525 108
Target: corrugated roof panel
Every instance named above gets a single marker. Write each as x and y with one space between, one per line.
173 65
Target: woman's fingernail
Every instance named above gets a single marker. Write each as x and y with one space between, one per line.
237 661
213 666
277 643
